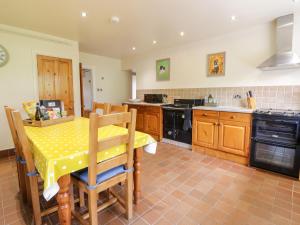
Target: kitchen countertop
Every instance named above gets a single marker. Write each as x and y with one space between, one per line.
225 109
144 103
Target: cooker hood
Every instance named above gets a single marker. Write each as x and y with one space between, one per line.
285 58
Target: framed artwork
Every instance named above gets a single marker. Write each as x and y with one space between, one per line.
216 64
163 69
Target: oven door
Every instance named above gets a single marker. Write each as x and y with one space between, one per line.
276 131
277 158
182 135
169 124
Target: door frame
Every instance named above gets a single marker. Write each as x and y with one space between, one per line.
92 69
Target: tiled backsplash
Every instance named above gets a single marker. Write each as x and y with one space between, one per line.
279 97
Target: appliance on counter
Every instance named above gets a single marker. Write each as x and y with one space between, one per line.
276 141
155 98
177 119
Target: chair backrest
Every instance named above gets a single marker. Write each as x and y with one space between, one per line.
118 109
24 143
103 106
13 131
96 145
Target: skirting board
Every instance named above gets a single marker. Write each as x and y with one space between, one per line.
7 152
180 144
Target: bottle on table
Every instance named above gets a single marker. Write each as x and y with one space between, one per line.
38 112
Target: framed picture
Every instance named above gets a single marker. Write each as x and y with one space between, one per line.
216 64
163 69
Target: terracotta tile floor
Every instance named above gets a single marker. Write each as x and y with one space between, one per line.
182 187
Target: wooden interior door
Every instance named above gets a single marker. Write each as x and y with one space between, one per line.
55 78
47 70
205 132
234 137
64 84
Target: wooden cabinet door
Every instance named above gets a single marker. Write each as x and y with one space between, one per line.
234 137
152 122
205 132
64 84
47 69
140 121
139 117
55 80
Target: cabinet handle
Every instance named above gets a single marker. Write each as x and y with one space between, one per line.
232 117
204 114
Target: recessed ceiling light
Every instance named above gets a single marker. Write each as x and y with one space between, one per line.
83 14
181 33
133 48
295 1
115 19
233 18
154 42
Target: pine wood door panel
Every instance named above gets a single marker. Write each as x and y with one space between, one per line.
47 68
205 132
64 84
55 80
234 137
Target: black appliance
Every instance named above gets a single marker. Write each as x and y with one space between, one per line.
155 98
177 119
50 104
276 141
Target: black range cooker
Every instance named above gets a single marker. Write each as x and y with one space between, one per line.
177 119
276 141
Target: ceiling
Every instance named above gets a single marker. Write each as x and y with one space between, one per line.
141 21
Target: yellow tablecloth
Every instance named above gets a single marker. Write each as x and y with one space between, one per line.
62 149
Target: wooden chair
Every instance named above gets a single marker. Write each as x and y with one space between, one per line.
118 109
25 194
99 177
103 106
30 170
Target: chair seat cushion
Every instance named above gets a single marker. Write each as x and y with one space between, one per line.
101 177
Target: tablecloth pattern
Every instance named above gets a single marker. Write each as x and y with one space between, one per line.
63 148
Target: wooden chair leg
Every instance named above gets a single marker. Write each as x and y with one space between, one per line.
93 196
28 188
129 195
72 201
35 200
81 198
22 182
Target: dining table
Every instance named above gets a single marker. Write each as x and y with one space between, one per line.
61 149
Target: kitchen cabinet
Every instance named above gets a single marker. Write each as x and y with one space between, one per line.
222 134
139 118
234 137
149 120
205 132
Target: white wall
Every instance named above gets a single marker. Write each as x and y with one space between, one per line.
245 50
18 79
87 85
116 83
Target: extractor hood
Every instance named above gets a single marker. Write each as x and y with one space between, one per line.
285 57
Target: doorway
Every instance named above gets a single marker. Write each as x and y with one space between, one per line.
55 81
86 86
